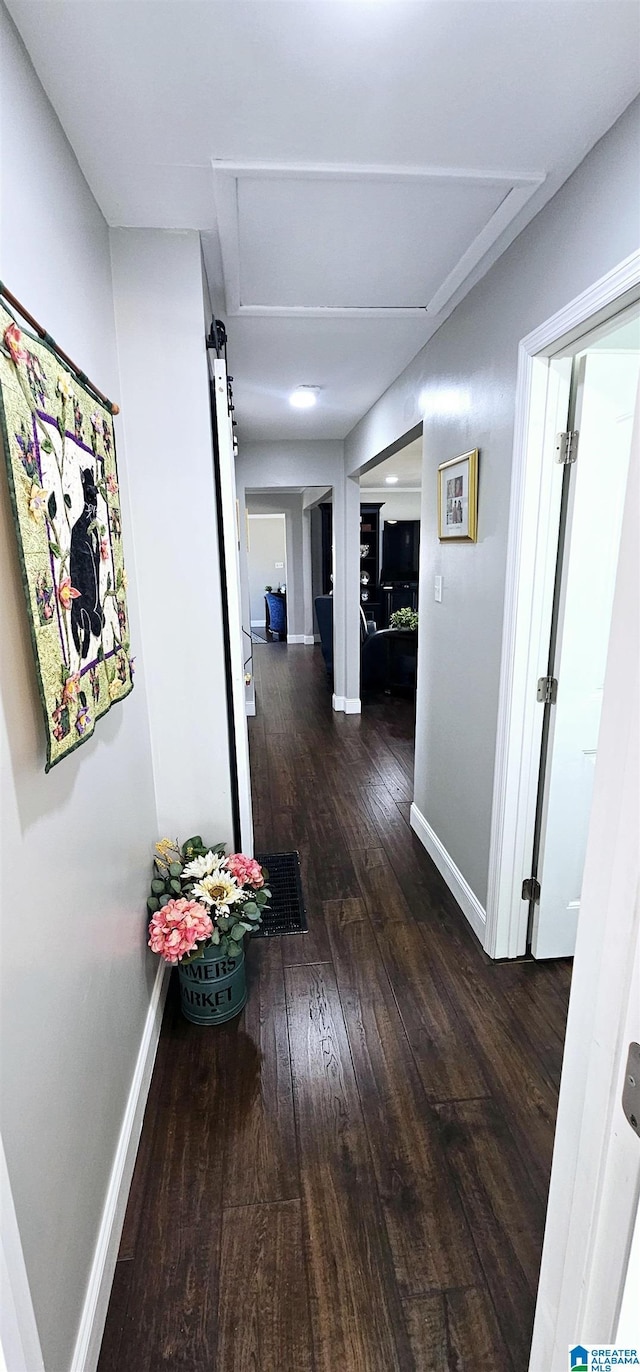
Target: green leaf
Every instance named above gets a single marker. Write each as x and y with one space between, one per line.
261 897
57 552
157 887
152 905
67 500
46 445
175 886
250 908
193 843
60 427
237 933
266 893
175 869
109 582
255 918
100 653
164 900
52 505
82 697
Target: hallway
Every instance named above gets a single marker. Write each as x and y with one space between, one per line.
351 1177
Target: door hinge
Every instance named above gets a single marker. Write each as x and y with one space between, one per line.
547 692
531 889
631 1088
567 447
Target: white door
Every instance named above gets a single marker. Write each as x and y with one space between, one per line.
230 564
605 403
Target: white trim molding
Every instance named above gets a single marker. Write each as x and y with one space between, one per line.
295 638
250 707
309 639
517 189
471 907
348 705
94 1312
541 387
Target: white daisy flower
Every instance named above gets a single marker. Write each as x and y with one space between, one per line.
203 866
218 889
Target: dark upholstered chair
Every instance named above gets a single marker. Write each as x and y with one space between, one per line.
389 659
275 614
324 617
388 656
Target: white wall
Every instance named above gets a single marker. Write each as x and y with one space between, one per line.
466 377
76 975
267 559
160 319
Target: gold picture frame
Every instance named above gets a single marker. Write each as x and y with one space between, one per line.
458 499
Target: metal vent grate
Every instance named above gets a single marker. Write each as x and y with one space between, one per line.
287 914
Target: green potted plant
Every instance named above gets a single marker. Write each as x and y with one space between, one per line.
202 904
404 619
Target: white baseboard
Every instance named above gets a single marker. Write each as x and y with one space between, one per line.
250 707
309 639
94 1312
459 887
350 705
258 623
296 638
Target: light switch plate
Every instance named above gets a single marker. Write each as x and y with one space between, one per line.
437 588
278 565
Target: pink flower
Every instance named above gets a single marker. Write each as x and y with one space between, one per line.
13 342
246 870
71 688
177 928
104 550
112 484
67 593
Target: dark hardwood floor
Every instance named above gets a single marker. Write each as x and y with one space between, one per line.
352 1176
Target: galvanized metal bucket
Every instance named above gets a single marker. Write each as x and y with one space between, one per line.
213 988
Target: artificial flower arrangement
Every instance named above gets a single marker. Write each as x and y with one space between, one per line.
201 898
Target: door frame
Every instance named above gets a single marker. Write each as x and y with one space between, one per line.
595 1175
232 604
542 394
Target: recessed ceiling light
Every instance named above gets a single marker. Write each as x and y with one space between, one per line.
304 397
391 480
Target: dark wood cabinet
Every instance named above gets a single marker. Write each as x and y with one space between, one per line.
370 558
369 561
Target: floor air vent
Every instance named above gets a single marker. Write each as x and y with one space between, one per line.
287 914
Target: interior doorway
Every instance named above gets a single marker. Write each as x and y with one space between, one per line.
577 386
595 464
267 564
390 510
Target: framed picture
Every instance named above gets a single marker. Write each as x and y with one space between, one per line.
458 498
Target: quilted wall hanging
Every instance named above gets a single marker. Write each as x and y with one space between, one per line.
59 448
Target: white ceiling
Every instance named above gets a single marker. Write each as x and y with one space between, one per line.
354 166
405 464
